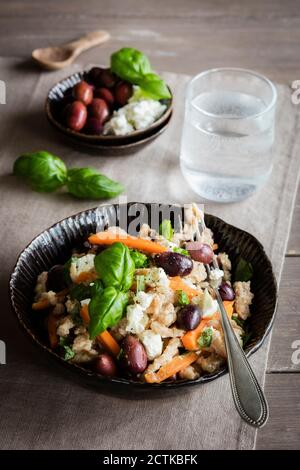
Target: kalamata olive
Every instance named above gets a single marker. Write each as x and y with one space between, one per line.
123 92
106 95
226 291
76 115
56 279
98 109
105 365
200 252
82 91
174 264
93 126
102 77
189 317
135 356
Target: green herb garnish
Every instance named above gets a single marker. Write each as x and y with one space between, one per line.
140 259
243 271
68 351
166 229
140 283
106 310
181 251
182 298
45 172
205 338
134 66
115 267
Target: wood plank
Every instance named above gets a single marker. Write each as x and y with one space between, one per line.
283 428
294 240
286 329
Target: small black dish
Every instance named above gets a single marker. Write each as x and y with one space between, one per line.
100 142
55 244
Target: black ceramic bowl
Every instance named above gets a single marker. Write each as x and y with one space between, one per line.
53 110
55 245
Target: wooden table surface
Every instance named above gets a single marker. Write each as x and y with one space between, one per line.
190 36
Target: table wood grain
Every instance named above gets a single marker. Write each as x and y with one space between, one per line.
191 36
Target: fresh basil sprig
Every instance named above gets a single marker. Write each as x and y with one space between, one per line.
42 170
106 310
115 266
87 183
133 66
46 173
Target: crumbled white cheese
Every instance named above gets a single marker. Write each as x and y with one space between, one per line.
208 305
152 343
137 319
143 299
156 277
134 116
85 302
216 276
80 265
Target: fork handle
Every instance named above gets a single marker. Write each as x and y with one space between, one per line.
247 394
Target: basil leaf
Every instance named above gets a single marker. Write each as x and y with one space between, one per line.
86 291
182 251
154 86
140 259
115 266
87 183
205 338
106 310
130 64
243 271
182 298
42 170
140 283
166 229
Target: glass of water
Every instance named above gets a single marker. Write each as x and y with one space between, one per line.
228 133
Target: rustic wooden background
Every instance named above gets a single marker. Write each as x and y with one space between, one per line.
190 36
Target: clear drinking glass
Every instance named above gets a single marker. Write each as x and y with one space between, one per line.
228 133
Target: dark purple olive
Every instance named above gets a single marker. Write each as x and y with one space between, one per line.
93 126
83 92
105 365
174 264
106 95
123 92
102 77
189 317
200 252
226 291
98 109
135 357
76 115
56 280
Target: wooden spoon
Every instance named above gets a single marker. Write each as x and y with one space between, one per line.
58 57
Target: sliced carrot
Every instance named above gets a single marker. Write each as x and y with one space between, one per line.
84 313
215 246
175 365
105 338
176 283
85 277
52 327
108 238
190 339
109 343
41 304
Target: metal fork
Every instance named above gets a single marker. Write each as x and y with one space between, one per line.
248 396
